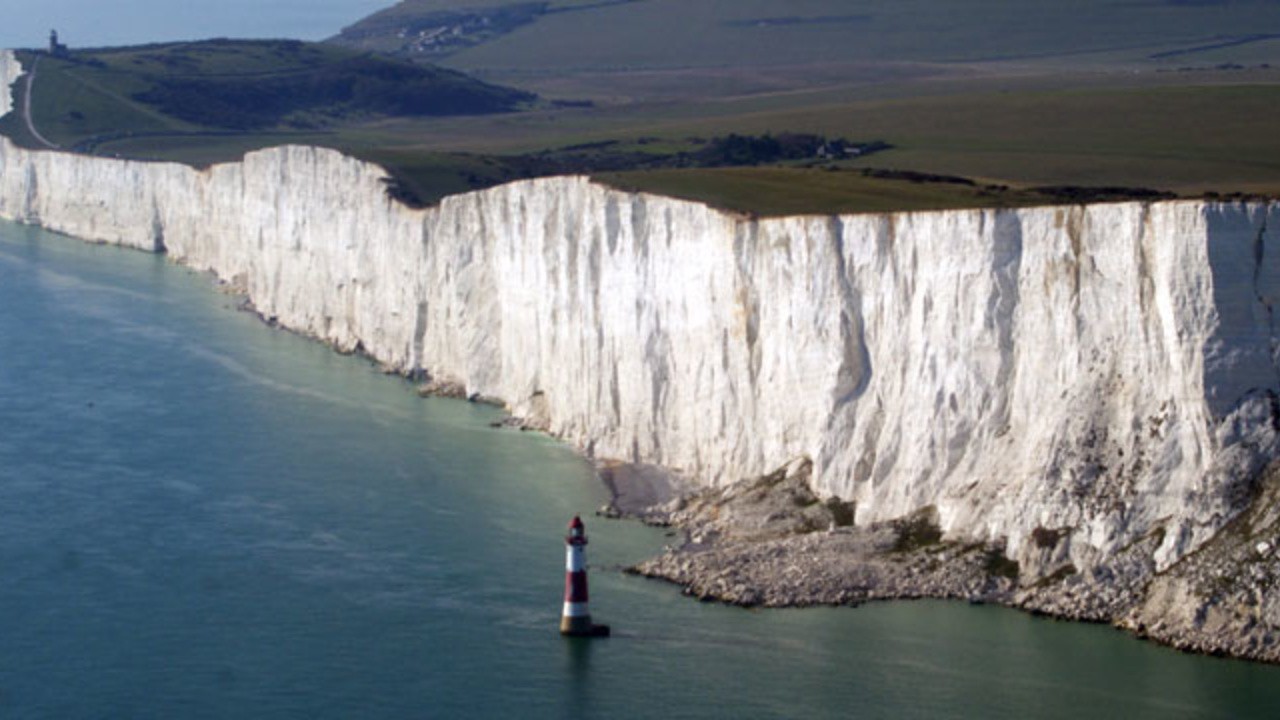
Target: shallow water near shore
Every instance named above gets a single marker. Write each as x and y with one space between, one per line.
202 516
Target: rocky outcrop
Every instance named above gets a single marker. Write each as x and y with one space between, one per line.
1103 377
770 541
1221 598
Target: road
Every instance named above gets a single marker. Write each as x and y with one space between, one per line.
26 108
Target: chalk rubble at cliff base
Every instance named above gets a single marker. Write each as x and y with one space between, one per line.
770 542
1105 375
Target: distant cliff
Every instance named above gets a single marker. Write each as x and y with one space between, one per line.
1104 374
10 71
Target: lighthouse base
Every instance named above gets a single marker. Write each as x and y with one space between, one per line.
582 627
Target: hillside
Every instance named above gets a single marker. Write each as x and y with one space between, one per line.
555 37
1027 103
226 87
1171 95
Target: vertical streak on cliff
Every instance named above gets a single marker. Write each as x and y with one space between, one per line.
157 230
746 246
1265 300
28 212
1271 219
1003 311
853 375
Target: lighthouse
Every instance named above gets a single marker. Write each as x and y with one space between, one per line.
576 619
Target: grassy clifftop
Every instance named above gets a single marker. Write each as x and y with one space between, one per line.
1031 103
1173 95
226 86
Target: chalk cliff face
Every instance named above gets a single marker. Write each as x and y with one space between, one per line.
1107 372
10 71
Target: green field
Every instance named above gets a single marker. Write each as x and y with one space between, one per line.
1176 95
1188 139
775 191
223 87
648 34
1172 95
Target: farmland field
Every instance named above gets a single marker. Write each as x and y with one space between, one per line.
1168 95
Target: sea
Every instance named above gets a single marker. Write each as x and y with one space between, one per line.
202 516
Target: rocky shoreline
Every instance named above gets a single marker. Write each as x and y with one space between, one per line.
771 542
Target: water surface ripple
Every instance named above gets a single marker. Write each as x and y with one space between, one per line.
204 517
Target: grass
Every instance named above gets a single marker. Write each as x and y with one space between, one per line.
218 58
680 34
431 176
1084 105
68 104
774 191
1185 139
245 87
1188 140
202 150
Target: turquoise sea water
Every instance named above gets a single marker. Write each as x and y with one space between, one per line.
201 516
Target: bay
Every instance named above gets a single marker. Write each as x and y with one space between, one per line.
203 516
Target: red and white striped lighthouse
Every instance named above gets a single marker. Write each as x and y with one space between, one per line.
576 619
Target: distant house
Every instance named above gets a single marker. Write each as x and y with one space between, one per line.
56 48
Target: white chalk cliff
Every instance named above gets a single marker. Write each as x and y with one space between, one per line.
1109 370
10 71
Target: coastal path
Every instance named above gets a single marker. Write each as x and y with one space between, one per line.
26 108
